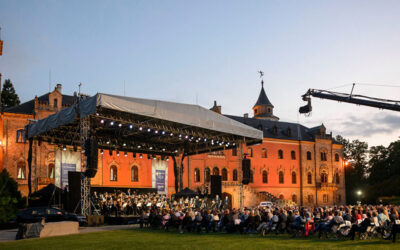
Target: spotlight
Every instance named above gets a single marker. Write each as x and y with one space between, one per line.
156 132
172 134
205 139
124 144
102 121
176 151
131 126
140 128
126 154
151 148
163 133
64 147
154 157
234 144
139 146
101 151
149 130
163 149
180 135
186 136
167 158
140 156
108 142
120 125
97 114
117 152
112 123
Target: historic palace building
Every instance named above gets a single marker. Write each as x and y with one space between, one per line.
293 163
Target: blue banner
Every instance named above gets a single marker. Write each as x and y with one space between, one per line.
160 180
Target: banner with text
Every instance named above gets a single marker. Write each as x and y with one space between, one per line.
66 161
159 174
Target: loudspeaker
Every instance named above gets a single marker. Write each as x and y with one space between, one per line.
74 184
216 186
92 153
246 171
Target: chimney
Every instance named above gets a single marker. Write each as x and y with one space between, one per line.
216 108
59 88
246 115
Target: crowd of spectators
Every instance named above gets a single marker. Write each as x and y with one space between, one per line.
212 214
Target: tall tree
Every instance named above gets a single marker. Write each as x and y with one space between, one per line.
9 97
355 153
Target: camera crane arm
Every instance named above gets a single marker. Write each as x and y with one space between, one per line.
349 98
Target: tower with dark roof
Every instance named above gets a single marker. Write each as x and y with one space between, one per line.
263 109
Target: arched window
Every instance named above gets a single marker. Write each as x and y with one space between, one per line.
325 198
224 174
21 170
281 177
135 174
323 156
309 156
294 179
264 153
215 171
281 197
50 171
251 176
293 155
310 198
337 178
207 175
309 178
55 103
235 175
324 178
249 152
280 154
113 173
336 157
294 198
265 176
196 175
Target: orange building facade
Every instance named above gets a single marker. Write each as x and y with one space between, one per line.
294 163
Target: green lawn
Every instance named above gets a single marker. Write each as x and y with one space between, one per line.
149 239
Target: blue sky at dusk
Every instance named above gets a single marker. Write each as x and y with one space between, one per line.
201 51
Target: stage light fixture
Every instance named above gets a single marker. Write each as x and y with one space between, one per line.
140 128
205 139
131 126
176 151
186 137
149 130
64 147
163 133
154 157
163 149
124 144
140 156
120 125
108 142
112 123
167 158
126 154
180 135
139 146
117 152
102 121
172 134
156 132
101 151
151 148
234 144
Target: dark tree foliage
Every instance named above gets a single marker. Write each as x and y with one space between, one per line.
9 97
10 197
355 153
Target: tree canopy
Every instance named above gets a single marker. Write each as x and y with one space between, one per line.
9 97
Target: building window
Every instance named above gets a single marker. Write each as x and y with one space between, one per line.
264 153
336 157
309 155
207 175
249 152
235 175
234 151
224 174
21 136
55 103
293 155
50 171
21 171
325 198
294 198
294 179
135 174
309 178
324 178
280 154
265 176
215 171
310 198
251 176
323 156
337 178
196 175
113 173
281 177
